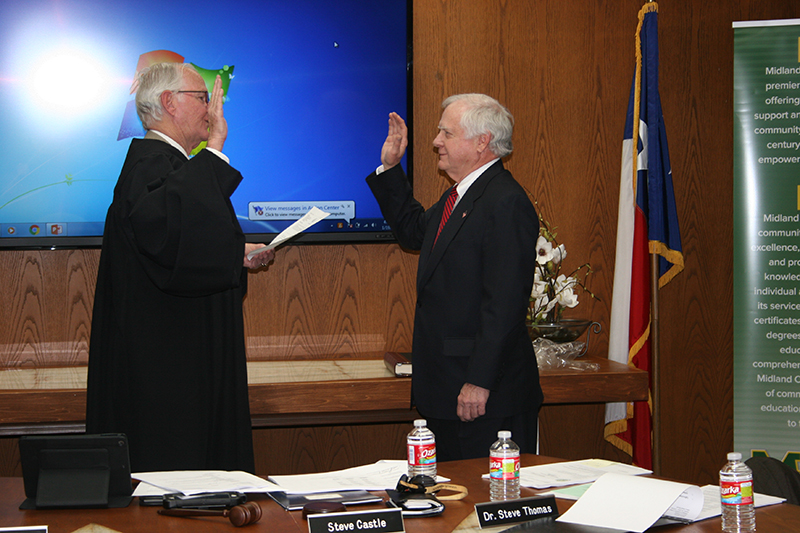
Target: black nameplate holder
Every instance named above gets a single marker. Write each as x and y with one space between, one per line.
515 511
376 521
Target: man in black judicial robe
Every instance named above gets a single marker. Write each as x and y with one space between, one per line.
167 360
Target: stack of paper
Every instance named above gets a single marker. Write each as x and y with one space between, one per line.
632 503
378 476
573 473
197 481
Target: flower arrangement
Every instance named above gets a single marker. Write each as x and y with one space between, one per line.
553 291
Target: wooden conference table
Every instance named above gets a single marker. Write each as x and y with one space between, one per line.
773 519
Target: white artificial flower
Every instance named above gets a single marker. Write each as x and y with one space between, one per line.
540 306
559 254
539 288
563 282
564 294
544 251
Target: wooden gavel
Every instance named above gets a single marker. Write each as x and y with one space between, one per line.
240 515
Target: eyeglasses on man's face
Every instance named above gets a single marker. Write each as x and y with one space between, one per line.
202 95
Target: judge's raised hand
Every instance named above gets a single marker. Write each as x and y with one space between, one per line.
217 125
396 142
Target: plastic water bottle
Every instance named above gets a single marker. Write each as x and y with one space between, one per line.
421 450
504 468
736 494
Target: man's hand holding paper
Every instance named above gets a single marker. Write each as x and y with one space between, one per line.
313 216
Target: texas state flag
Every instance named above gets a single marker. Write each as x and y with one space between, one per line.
647 224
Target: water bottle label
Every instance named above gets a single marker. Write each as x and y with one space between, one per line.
736 492
422 454
504 468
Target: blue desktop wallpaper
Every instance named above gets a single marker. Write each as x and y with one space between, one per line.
310 87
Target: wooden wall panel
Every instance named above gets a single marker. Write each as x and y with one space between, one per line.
563 67
696 309
325 301
312 302
47 299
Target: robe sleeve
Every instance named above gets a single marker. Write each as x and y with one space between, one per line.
184 226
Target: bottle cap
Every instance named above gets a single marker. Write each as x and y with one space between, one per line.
420 423
503 434
734 456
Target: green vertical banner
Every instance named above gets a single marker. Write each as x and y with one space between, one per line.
766 237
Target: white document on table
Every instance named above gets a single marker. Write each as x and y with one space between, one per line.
197 481
573 472
377 476
313 216
711 500
634 503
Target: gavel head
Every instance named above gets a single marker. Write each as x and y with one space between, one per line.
245 514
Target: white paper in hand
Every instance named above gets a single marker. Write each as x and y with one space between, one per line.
313 216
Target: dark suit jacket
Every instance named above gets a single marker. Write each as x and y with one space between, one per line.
473 290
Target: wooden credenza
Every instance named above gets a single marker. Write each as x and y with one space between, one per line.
285 393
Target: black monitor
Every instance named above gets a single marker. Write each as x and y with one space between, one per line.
310 86
75 471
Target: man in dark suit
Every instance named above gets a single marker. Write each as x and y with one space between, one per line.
474 367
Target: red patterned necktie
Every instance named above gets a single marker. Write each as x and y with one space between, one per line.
448 208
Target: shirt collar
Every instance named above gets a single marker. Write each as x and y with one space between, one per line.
171 141
465 184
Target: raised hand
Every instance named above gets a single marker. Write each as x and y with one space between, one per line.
217 125
396 142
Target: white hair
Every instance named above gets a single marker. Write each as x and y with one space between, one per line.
154 80
484 114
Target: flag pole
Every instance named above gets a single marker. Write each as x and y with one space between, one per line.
655 385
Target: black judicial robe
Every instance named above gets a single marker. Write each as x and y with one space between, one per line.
167 360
